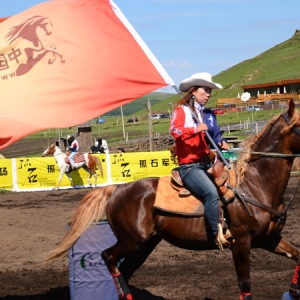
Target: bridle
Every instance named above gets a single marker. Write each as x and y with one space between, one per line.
288 121
51 148
271 154
244 200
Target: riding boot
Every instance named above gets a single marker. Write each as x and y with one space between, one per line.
223 239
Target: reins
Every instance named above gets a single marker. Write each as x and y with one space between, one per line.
272 154
283 214
255 202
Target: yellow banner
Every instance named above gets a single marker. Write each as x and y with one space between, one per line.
6 174
43 173
126 167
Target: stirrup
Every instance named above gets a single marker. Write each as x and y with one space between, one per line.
223 240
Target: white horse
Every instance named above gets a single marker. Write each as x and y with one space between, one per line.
87 161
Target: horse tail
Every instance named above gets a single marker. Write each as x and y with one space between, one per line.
91 209
99 165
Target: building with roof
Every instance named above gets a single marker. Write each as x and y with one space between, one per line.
277 93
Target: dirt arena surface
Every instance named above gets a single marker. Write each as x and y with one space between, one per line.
33 223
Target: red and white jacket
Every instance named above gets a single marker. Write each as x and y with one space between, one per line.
190 144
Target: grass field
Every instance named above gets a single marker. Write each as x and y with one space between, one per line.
113 125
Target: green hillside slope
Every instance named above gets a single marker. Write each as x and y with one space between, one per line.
278 63
139 104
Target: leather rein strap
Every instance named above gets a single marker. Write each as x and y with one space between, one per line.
281 215
288 121
244 199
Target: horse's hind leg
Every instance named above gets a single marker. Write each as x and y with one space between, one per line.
135 260
111 257
95 177
90 174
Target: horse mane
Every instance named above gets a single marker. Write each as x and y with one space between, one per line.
246 154
23 29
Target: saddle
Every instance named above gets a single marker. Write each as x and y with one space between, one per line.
78 158
219 174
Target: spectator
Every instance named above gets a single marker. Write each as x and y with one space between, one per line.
121 150
100 146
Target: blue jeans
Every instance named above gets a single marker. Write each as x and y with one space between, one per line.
71 158
195 178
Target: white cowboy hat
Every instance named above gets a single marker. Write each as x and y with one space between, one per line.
199 79
69 136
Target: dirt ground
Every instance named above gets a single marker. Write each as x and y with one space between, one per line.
33 223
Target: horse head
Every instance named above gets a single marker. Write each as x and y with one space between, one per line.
50 150
279 139
29 36
28 30
291 117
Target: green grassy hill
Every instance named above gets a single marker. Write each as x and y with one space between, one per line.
278 63
139 104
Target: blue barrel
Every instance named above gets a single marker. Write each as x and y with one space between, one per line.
88 275
286 296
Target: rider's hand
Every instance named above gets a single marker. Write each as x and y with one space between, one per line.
202 127
224 146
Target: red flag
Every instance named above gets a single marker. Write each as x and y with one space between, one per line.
64 62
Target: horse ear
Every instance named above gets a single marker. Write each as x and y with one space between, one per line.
57 143
291 108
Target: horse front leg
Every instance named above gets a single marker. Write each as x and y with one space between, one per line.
59 179
280 246
241 257
90 174
71 180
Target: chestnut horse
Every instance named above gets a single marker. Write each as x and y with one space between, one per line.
255 217
88 162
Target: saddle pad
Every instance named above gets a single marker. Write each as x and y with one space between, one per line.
79 158
168 199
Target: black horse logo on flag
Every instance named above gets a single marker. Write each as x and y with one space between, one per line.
27 38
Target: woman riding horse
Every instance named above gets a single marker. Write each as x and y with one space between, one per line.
188 127
255 216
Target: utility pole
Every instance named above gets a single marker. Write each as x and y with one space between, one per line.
148 106
124 135
171 105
